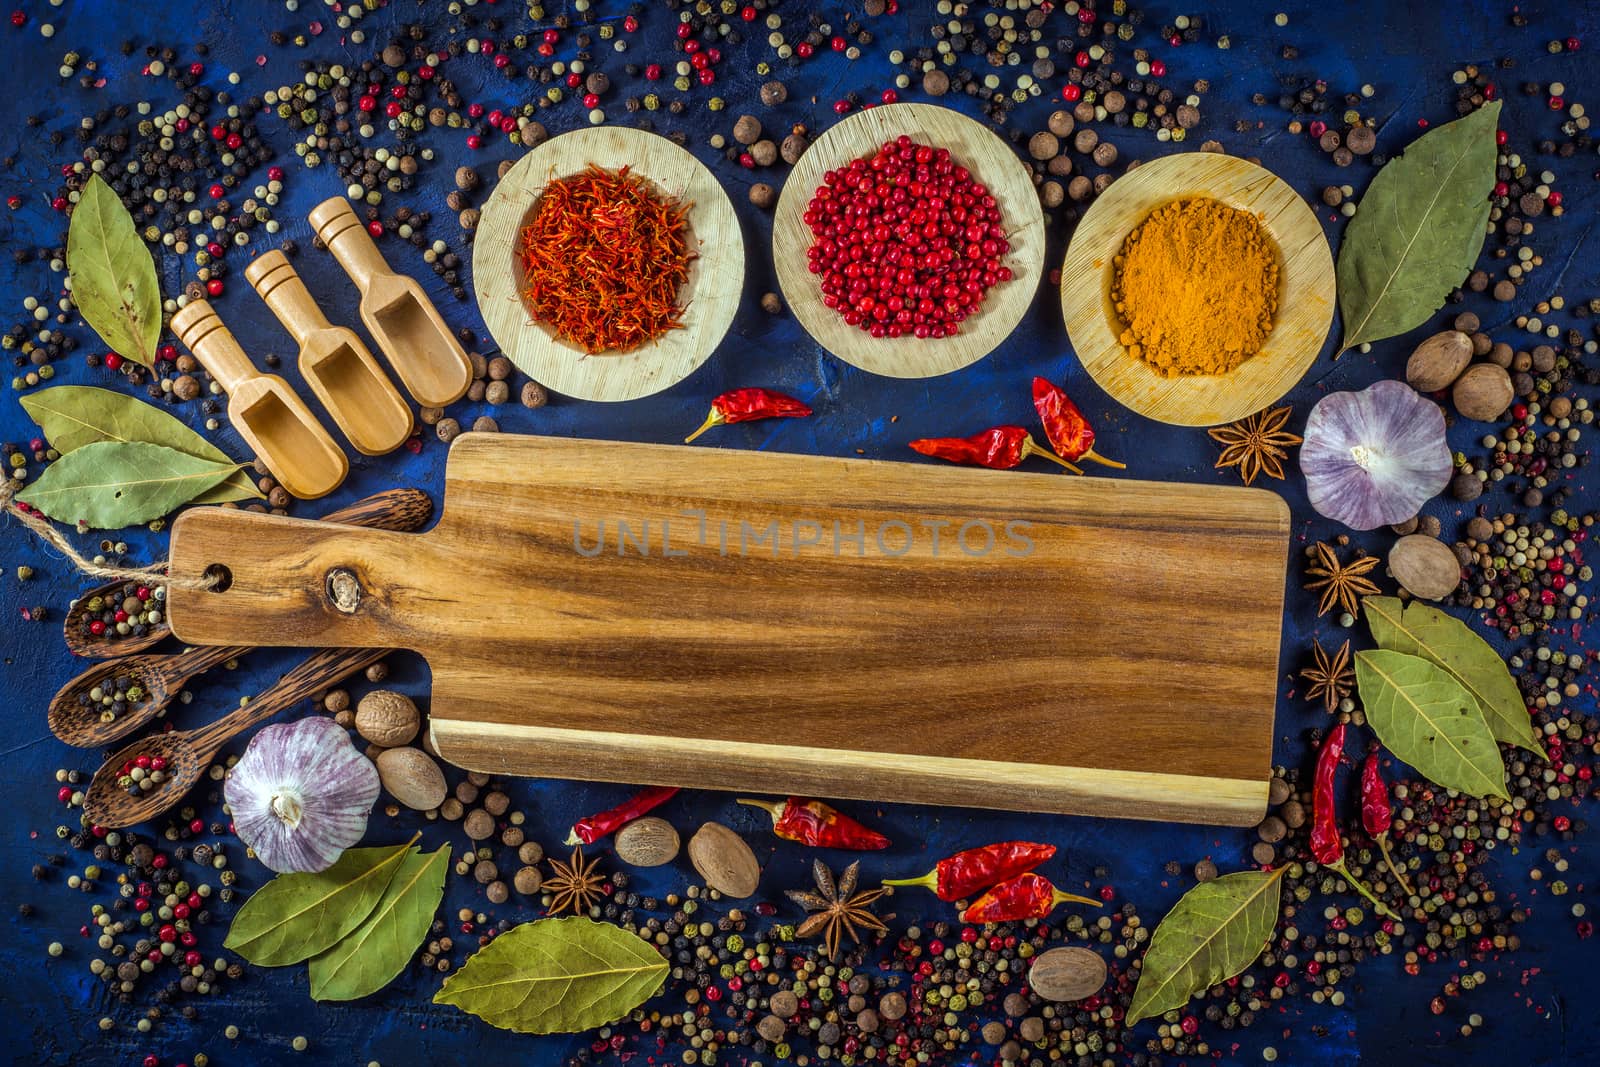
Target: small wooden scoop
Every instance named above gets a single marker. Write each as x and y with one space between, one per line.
333 361
268 415
398 314
189 752
393 509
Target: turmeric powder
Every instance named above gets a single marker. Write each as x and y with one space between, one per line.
1196 288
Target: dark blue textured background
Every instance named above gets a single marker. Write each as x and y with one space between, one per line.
1537 1003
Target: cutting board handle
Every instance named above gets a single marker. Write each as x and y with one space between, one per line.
290 582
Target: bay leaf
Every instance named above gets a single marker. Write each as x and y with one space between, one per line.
556 976
1427 718
72 416
1213 933
1419 229
374 953
295 916
108 485
1419 630
114 281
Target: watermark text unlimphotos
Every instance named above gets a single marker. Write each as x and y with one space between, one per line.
673 536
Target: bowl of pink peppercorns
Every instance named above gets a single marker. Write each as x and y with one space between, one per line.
909 240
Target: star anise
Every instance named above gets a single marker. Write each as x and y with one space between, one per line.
1341 583
573 886
838 908
1257 444
1332 677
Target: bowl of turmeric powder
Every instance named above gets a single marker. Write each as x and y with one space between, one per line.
1198 288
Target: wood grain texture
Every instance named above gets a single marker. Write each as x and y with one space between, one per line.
991 161
1136 641
1305 296
709 297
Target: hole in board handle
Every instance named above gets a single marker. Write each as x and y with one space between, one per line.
219 576
344 590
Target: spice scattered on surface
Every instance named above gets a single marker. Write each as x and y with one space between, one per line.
1196 288
604 257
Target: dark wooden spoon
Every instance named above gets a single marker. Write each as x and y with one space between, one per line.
402 510
189 752
161 676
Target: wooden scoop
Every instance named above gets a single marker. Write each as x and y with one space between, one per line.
189 752
392 509
333 361
268 415
398 314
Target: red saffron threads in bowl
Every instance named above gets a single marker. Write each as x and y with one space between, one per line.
603 258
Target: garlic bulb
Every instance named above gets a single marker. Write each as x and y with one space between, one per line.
1373 458
300 794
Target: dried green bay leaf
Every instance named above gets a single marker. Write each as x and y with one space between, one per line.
1419 229
1216 931
1420 630
113 278
72 416
374 953
1427 718
295 916
108 485
556 976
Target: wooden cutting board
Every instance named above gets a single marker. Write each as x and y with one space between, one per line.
1113 651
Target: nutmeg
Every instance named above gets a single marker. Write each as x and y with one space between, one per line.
1439 361
1425 566
1482 392
412 777
647 842
387 718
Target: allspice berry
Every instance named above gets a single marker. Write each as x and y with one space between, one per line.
763 196
764 152
1061 123
527 880
466 179
794 146
1043 145
534 395
771 303
478 825
774 93
747 130
447 429
936 83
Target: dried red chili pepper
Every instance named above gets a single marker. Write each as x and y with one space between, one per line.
743 405
1326 845
959 876
1027 896
998 448
811 822
1068 431
1377 815
591 828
